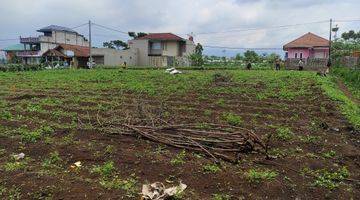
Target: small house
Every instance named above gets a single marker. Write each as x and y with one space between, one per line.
307 46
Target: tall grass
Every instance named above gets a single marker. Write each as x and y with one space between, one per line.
351 77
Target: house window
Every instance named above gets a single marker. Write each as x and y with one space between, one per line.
156 45
164 46
296 55
301 56
121 57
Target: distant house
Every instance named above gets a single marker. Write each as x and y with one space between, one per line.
307 46
74 55
13 50
162 49
63 44
53 36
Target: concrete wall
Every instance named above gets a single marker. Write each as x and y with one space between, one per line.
143 51
60 37
190 48
310 64
113 57
170 48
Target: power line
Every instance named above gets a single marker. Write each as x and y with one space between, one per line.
111 29
350 20
80 26
263 28
242 48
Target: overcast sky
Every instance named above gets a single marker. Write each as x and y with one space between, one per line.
24 17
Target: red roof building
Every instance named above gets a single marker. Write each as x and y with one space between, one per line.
161 36
307 46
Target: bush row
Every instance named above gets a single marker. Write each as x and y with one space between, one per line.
20 67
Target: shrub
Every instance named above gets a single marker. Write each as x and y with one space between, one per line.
232 119
330 180
284 133
211 168
179 158
261 175
54 159
105 170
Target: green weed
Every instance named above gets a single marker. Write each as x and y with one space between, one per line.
221 197
284 133
105 170
310 139
211 168
53 160
232 119
257 176
179 158
329 154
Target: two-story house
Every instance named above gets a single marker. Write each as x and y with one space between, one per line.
162 49
53 36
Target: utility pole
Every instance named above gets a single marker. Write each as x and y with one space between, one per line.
330 37
90 56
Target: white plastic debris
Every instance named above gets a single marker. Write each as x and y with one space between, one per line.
173 71
170 69
157 191
19 156
77 164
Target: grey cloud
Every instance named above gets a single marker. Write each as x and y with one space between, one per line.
24 17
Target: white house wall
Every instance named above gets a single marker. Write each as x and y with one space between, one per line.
143 51
113 57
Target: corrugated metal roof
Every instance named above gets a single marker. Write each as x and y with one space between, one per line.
15 47
56 28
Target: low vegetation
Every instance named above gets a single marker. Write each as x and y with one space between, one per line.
77 129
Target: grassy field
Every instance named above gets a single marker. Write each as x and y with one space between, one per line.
58 118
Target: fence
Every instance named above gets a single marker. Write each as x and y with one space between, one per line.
310 64
350 62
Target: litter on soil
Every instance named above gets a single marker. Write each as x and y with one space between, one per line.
157 191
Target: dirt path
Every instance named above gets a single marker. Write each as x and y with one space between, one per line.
346 91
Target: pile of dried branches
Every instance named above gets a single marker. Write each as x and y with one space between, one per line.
217 141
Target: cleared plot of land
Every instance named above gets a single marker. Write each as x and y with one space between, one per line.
60 117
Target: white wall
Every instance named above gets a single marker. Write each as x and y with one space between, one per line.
172 48
143 51
113 57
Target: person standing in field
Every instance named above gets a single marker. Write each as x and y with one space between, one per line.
248 66
301 65
277 64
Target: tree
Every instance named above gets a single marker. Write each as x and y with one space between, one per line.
351 35
199 49
251 56
109 45
239 57
137 35
197 58
120 44
116 44
271 58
